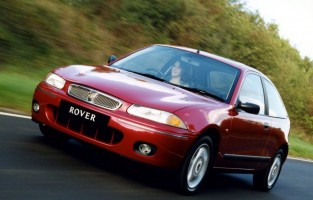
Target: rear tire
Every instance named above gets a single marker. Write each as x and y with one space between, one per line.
266 180
52 134
196 166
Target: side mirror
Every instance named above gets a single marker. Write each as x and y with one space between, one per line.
112 58
249 107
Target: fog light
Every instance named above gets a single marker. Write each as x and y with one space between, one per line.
144 149
36 107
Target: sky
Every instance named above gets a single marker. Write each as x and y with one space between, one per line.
293 17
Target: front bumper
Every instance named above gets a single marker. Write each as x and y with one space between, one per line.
120 133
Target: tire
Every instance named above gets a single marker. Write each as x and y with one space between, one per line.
52 134
196 166
266 180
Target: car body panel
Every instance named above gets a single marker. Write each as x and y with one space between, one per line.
244 141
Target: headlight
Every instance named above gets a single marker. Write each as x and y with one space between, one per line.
156 115
55 81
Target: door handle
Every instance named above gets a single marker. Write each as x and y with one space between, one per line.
266 126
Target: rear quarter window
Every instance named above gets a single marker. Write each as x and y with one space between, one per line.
275 103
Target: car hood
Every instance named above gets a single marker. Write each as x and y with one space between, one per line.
134 88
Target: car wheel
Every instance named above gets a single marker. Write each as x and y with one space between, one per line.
267 179
195 166
52 134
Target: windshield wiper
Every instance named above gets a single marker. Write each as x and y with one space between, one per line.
150 76
203 92
145 74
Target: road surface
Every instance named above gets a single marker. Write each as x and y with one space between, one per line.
33 168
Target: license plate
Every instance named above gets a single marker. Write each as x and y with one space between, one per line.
86 115
74 115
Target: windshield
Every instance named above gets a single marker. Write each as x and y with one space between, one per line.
188 70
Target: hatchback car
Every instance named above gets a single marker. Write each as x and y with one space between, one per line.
171 107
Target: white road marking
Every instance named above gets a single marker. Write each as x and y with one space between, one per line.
301 159
15 115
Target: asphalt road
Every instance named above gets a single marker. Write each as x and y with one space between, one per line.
33 168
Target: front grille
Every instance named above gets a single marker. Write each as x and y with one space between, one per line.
87 122
94 97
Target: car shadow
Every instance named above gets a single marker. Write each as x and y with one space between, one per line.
141 173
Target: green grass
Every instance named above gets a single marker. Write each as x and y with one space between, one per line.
16 90
298 147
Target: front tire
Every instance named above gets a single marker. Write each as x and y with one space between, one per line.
196 166
267 179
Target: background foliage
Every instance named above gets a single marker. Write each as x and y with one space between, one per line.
38 35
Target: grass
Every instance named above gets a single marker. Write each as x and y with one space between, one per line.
299 147
16 90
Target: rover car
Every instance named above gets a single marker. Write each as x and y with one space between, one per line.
218 114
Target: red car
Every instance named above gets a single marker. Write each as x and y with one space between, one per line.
171 107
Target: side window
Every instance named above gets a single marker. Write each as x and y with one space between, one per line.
252 92
275 104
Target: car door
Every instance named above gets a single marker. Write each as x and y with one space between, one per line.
249 133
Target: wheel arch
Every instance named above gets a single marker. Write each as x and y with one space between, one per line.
215 136
285 149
